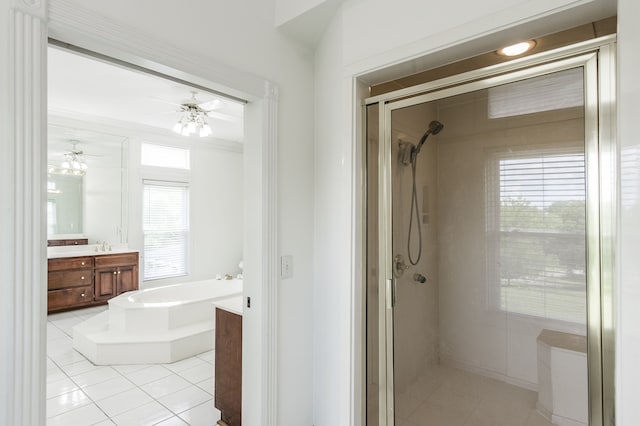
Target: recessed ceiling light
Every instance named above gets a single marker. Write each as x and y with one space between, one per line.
517 49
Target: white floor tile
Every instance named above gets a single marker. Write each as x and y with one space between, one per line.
59 346
185 399
54 333
148 375
148 414
69 357
131 368
108 388
105 423
66 402
123 402
60 387
206 385
54 374
95 376
199 373
203 415
185 364
165 386
173 421
207 356
83 416
78 367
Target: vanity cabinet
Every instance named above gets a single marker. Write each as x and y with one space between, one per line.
70 283
78 282
68 242
228 367
115 274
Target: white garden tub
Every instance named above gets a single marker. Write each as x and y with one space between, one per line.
156 325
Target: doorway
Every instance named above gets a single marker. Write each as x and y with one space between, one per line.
483 288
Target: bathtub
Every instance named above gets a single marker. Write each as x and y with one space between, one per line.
156 325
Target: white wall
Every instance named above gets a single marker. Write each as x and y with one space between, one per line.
415 320
628 293
215 183
367 36
483 327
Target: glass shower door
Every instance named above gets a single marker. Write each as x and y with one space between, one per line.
484 257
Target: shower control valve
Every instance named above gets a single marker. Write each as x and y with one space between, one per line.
399 266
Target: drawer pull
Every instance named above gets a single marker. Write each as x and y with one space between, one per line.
82 295
114 272
83 263
82 278
118 272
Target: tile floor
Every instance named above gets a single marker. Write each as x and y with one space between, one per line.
80 393
450 397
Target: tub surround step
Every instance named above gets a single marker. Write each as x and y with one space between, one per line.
103 346
158 325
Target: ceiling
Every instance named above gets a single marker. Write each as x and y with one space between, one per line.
80 86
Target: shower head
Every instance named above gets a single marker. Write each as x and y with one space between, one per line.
434 128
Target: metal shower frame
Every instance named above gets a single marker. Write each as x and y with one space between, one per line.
597 58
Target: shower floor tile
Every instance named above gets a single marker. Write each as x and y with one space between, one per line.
451 397
81 393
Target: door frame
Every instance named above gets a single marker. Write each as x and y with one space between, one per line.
597 57
31 22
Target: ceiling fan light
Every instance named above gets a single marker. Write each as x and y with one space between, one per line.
75 165
184 131
83 166
66 165
177 127
205 131
191 127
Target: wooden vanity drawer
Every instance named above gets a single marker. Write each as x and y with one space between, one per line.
63 263
70 278
121 259
62 299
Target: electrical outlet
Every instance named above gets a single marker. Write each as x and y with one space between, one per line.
286 266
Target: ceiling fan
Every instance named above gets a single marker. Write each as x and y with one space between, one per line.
74 161
194 114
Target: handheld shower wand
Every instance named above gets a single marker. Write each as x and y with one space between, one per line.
434 128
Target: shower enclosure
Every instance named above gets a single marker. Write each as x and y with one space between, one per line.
489 207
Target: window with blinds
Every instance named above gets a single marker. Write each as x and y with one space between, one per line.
537 233
165 228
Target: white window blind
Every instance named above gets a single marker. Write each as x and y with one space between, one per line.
559 90
537 229
166 229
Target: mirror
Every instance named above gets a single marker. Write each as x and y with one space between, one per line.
86 183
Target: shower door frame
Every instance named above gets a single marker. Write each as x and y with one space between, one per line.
597 58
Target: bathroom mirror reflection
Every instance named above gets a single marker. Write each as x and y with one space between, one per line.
86 183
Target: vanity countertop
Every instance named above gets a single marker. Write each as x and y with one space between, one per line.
231 304
88 250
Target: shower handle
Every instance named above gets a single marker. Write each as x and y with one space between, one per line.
399 266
